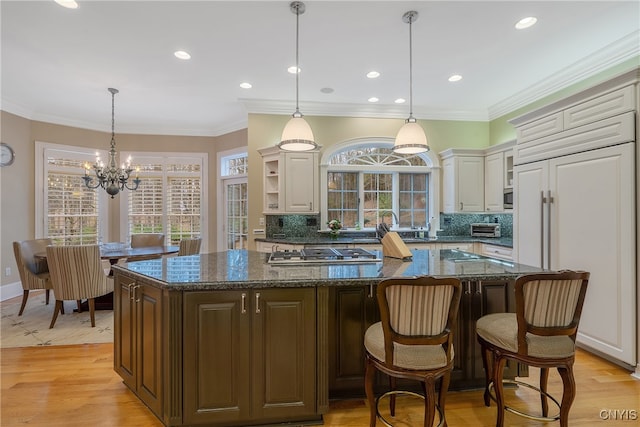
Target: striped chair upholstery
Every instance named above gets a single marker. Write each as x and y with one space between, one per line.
189 247
34 272
77 274
414 338
541 333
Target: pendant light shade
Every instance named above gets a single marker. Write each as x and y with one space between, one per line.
297 134
411 138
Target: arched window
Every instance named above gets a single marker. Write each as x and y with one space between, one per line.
364 183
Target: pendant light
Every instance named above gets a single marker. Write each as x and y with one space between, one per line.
297 134
411 138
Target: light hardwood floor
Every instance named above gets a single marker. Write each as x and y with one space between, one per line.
76 386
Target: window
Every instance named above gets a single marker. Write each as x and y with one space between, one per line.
233 195
367 183
169 199
68 212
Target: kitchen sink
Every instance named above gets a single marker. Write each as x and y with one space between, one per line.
365 240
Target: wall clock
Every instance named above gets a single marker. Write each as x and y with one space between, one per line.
7 156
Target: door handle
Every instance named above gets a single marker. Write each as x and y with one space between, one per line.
129 287
135 290
468 290
257 302
243 308
542 202
549 201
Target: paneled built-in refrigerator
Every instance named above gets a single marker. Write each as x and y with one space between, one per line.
575 208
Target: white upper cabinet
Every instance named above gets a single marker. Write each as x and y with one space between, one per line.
463 181
494 182
301 182
290 181
498 175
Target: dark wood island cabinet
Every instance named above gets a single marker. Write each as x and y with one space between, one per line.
225 339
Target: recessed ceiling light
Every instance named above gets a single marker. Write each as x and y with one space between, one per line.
373 74
400 101
181 54
526 22
245 85
455 78
69 4
373 99
292 69
326 90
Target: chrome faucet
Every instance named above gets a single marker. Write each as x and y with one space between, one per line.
384 213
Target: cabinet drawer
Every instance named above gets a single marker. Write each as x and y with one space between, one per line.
542 127
601 107
494 251
467 247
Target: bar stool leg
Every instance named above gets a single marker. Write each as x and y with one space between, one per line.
544 378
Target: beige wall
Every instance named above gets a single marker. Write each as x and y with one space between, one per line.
17 183
265 131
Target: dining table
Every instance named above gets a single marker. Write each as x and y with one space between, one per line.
114 253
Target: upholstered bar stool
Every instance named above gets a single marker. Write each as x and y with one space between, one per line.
541 333
413 340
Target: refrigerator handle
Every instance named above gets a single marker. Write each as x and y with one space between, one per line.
549 201
542 202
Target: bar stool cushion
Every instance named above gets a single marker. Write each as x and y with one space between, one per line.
501 329
418 357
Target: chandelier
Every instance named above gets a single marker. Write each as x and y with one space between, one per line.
410 138
297 134
111 177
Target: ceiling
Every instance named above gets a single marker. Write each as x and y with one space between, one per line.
57 63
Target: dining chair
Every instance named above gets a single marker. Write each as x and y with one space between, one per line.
413 340
34 272
541 333
146 240
77 274
189 247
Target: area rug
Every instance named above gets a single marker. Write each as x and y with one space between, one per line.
32 328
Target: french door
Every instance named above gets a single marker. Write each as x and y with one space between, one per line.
235 213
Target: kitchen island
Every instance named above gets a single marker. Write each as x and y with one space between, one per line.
227 339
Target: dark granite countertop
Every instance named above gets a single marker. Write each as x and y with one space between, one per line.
241 269
345 239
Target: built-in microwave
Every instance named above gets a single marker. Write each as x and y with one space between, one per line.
507 200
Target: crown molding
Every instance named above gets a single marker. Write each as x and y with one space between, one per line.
275 106
28 114
601 60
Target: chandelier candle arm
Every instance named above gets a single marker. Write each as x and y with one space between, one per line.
297 134
111 177
411 138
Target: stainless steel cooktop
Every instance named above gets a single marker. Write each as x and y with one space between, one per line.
322 256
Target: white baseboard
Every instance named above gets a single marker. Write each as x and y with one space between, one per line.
10 290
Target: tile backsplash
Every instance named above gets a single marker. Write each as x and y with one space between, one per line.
450 224
459 224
